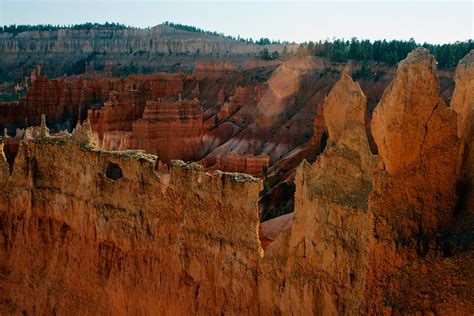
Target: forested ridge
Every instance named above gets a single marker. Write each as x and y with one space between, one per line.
337 50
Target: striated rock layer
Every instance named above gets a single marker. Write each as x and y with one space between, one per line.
124 239
66 100
170 129
87 231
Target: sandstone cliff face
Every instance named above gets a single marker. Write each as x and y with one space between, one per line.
213 69
59 99
324 271
4 168
414 192
249 164
161 48
152 249
160 39
283 85
118 113
66 100
170 129
383 227
368 236
463 103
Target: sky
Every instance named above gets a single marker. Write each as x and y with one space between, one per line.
424 20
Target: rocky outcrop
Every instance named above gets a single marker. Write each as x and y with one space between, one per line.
463 103
213 69
382 224
324 272
159 39
58 99
127 99
283 85
4 167
247 164
65 101
414 192
369 234
242 96
259 63
171 129
124 239
119 112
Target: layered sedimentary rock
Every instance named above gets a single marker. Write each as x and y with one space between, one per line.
169 128
66 100
258 63
159 39
242 96
283 85
126 102
59 99
213 69
370 235
253 165
119 112
124 239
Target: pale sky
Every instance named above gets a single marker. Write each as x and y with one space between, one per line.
430 21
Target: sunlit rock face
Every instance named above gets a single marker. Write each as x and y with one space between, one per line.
124 239
414 193
90 231
325 260
171 129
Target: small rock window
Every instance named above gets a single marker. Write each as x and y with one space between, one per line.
113 172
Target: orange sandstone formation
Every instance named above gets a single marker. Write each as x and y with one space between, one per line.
283 85
414 194
124 239
324 253
463 103
213 69
88 231
66 100
170 129
249 164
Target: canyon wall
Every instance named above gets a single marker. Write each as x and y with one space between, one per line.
322 258
253 165
89 231
159 39
171 129
213 69
124 239
66 100
119 51
463 103
384 234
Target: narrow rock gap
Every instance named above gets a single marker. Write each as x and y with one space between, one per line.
10 149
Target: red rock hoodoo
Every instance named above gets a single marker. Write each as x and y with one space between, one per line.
170 129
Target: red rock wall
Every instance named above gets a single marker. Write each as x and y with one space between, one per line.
213 69
131 245
64 100
170 129
247 164
86 231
